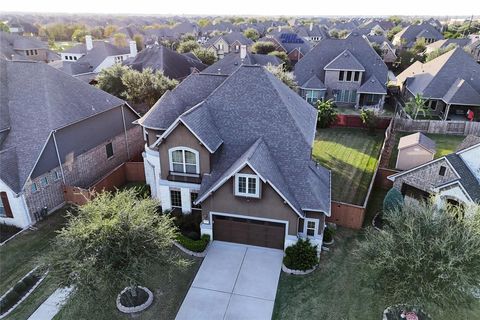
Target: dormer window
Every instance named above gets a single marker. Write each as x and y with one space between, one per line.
247 185
184 161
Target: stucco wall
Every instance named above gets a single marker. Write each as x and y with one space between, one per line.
19 208
270 205
182 137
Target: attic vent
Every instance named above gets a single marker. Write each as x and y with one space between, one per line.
373 80
345 54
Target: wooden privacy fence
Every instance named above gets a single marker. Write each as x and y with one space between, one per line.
354 121
121 175
463 128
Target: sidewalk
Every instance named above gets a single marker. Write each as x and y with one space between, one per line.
50 307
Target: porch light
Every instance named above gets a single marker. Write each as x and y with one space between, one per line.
206 221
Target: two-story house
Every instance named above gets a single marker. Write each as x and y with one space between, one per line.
387 49
406 38
237 150
312 33
290 43
16 47
454 178
349 71
55 130
450 84
228 43
92 57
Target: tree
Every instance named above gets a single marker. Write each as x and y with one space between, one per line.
79 35
111 241
392 32
405 59
327 114
334 33
97 32
438 52
110 80
207 56
203 22
280 54
393 199
120 40
138 38
286 77
377 49
4 27
251 34
415 106
395 19
188 46
146 86
188 37
342 34
263 47
419 46
369 118
424 255
110 30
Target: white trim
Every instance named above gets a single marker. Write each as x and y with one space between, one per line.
438 189
176 184
213 213
247 178
468 149
196 136
125 131
305 228
58 156
394 176
183 149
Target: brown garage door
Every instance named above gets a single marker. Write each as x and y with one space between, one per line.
249 231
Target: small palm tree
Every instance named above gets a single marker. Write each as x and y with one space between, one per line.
415 106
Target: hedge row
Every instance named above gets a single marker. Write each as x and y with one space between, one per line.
20 289
194 245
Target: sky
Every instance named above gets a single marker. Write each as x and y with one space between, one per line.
441 8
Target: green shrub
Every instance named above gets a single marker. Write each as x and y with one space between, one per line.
194 245
327 115
9 301
328 234
301 256
393 199
20 287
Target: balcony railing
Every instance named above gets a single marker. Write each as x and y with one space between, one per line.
184 177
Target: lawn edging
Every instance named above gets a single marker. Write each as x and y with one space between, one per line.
297 272
26 295
14 236
190 252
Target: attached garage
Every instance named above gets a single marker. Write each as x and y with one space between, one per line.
249 231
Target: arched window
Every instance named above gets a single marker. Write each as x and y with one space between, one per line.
184 160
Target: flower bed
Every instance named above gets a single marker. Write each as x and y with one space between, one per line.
399 312
19 292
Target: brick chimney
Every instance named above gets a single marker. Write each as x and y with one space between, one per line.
243 51
133 49
88 42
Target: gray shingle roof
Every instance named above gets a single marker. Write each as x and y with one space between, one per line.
417 139
252 104
467 179
313 83
373 86
345 61
230 38
314 62
469 141
414 31
173 64
232 61
434 79
40 99
461 92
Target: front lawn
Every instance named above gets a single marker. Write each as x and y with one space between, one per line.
445 144
334 291
168 286
352 155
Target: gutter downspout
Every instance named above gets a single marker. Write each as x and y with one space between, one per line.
125 132
58 156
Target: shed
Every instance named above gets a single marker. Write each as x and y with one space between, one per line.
414 150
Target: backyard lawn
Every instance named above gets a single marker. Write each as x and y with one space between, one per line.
334 291
445 144
352 155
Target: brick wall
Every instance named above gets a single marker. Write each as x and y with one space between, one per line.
82 170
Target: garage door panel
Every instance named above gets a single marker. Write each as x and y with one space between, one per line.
249 231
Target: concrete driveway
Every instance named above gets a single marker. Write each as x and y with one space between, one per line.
234 282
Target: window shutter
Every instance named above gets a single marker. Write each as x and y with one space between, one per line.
6 205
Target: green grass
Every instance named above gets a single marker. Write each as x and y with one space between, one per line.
169 287
352 155
335 291
445 144
20 255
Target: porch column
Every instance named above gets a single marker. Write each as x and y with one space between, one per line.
186 200
382 101
165 201
447 110
357 103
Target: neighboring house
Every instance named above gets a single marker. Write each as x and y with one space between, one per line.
378 26
388 50
414 150
474 49
450 83
442 44
92 57
349 71
16 47
238 149
55 130
290 43
312 33
406 38
228 43
173 64
454 178
233 61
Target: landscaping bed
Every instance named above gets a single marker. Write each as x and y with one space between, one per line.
352 155
7 231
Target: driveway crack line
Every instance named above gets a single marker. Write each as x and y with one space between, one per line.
235 283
